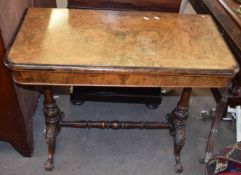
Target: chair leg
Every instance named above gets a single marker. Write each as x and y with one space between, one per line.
52 116
220 110
177 120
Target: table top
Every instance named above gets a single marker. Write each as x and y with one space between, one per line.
69 39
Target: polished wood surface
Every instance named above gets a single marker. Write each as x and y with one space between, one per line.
142 45
135 79
81 38
148 5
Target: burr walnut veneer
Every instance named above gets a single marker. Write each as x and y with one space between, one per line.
117 48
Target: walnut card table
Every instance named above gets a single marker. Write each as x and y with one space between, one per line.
62 47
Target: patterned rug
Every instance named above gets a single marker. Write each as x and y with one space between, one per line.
228 162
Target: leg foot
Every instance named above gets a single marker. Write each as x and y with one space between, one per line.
178 168
49 166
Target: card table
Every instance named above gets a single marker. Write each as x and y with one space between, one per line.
68 47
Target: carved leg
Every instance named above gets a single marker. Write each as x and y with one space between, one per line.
52 116
220 110
177 120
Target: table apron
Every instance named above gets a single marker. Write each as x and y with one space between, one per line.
57 78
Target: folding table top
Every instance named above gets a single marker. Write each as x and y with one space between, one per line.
119 48
72 39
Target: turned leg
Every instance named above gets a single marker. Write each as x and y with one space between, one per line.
177 120
220 110
52 120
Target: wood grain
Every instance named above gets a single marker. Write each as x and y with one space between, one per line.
112 79
83 38
81 47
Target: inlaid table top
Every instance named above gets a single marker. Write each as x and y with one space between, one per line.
119 41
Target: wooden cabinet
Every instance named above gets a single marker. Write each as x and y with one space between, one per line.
17 104
15 128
